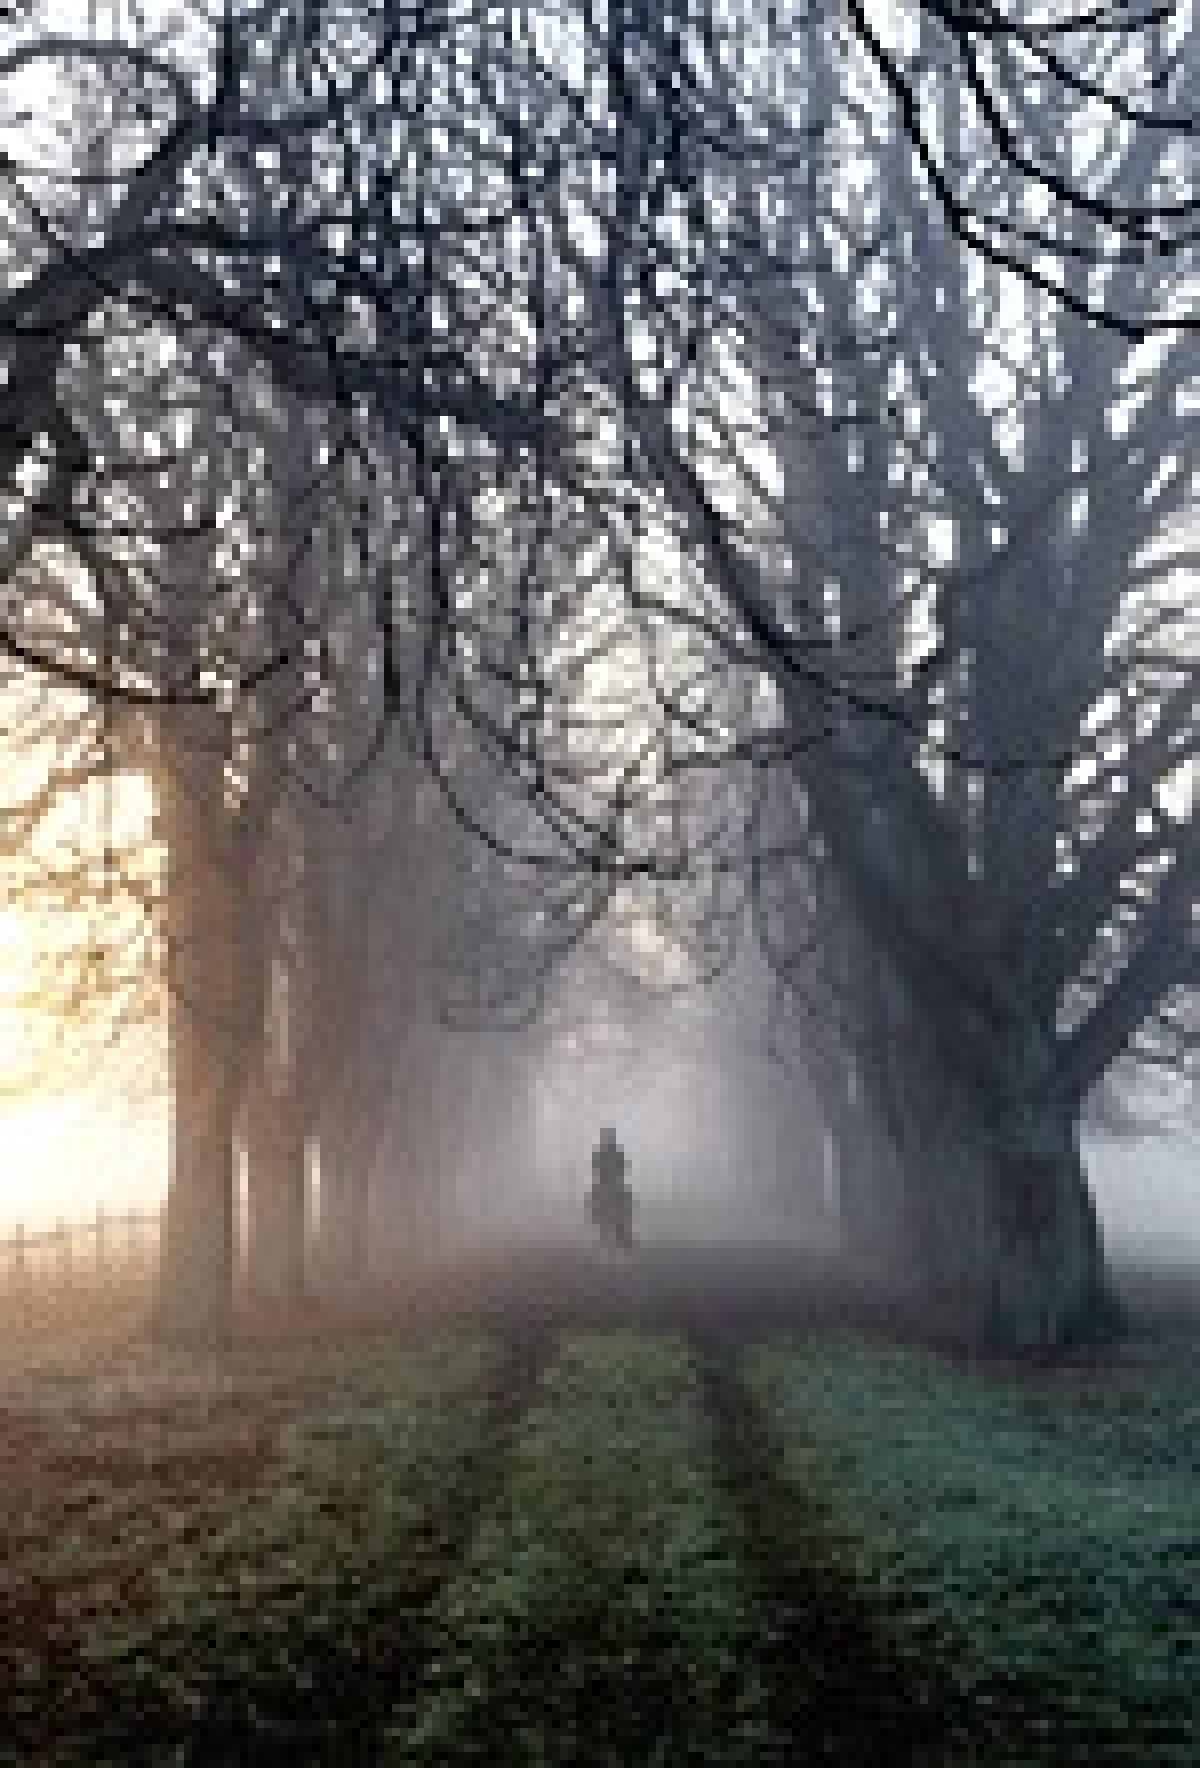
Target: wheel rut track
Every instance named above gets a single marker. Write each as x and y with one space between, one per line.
820 1632
346 1713
835 1692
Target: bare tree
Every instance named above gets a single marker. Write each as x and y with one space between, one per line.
539 261
1006 823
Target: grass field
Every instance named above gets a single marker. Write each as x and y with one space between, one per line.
615 1544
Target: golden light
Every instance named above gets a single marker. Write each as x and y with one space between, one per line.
83 1113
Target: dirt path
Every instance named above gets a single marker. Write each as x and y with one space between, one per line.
830 1675
742 1289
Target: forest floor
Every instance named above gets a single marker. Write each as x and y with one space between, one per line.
699 1508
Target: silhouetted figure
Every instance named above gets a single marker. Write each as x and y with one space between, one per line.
610 1200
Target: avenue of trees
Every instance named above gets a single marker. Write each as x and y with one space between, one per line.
729 460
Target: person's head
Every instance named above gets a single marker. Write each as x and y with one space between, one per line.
608 1137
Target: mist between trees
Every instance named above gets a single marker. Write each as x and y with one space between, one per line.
565 485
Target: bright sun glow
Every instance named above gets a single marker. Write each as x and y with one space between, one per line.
83 1110
67 1153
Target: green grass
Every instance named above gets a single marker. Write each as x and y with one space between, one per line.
227 1616
602 1616
1039 1534
614 1548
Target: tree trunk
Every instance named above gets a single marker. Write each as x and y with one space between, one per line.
414 1141
196 1274
1007 1232
344 1174
962 1077
277 1185
867 1182
864 1184
1003 1229
345 1067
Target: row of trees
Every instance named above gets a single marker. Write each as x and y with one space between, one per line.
599 404
1000 916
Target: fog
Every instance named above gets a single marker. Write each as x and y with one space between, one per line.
725 1141
1148 1198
